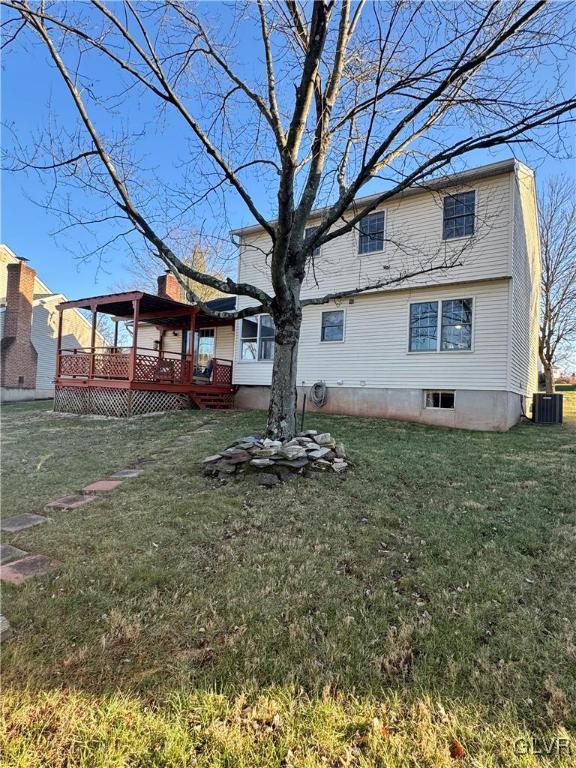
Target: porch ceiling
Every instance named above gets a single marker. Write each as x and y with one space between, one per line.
153 308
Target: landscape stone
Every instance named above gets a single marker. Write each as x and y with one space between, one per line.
8 553
5 629
324 439
260 463
125 473
267 443
267 480
339 467
102 485
238 457
322 464
305 441
319 453
296 463
292 451
308 433
210 459
340 451
20 571
226 467
72 501
21 522
264 452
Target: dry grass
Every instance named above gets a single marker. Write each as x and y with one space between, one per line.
422 603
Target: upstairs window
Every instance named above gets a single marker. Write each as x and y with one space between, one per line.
308 232
459 215
371 229
257 338
444 326
332 325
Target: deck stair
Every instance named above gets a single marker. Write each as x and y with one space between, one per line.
222 401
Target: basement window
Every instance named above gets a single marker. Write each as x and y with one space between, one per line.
20 381
439 399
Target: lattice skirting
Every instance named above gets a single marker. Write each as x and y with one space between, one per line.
110 401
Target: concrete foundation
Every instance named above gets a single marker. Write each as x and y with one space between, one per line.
485 410
19 394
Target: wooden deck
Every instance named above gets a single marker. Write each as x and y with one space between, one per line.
86 381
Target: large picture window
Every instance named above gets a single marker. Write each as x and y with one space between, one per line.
371 233
444 326
257 338
459 215
332 325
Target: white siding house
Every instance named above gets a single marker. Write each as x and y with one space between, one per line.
456 347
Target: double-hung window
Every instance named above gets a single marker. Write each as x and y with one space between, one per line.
332 325
459 215
257 338
441 326
371 237
308 232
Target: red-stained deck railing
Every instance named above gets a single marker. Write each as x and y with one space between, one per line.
150 367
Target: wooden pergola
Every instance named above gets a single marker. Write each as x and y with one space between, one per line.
86 378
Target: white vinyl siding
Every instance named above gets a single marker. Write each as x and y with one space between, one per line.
525 287
376 350
148 334
416 223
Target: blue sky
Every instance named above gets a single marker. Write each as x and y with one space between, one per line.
28 85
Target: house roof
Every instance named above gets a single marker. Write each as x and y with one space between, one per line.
225 304
462 177
120 304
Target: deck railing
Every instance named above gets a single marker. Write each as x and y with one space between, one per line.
150 366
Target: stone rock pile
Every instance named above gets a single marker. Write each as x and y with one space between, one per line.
272 461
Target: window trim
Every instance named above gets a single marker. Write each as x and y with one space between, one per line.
460 237
239 357
334 341
427 392
438 350
358 233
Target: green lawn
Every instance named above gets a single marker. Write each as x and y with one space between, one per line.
423 602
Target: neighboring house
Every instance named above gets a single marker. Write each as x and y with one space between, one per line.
455 348
29 330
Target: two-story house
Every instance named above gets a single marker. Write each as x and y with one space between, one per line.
456 347
29 331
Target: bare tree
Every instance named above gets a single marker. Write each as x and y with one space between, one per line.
557 211
342 94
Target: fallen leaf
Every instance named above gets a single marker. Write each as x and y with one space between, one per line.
457 751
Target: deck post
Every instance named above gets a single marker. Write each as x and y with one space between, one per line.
134 350
191 345
59 343
94 309
116 336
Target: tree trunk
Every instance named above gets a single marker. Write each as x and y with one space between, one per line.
549 378
283 395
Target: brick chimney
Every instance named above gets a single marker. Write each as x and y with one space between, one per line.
18 355
169 287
